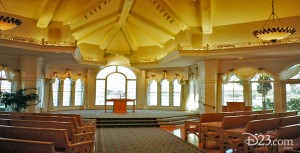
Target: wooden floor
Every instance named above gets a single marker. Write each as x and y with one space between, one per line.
179 131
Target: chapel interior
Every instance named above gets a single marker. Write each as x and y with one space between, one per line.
160 55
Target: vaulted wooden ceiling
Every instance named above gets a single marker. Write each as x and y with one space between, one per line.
147 29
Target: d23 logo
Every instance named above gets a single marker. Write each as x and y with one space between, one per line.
257 140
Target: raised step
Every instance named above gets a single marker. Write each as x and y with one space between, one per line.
144 122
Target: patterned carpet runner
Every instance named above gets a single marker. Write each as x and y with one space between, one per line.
141 140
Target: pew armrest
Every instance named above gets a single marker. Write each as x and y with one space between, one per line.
86 129
83 137
192 127
83 147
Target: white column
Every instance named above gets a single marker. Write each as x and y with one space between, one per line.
279 99
31 73
208 80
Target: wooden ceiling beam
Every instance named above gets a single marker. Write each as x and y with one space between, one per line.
172 12
206 16
125 10
47 13
88 6
109 36
148 34
93 23
130 38
105 26
152 25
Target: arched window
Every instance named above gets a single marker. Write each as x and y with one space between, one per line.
165 92
78 93
176 93
152 98
67 92
262 92
55 89
233 90
115 82
5 85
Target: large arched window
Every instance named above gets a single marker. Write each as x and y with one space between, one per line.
165 93
233 90
78 93
152 98
115 82
176 93
55 90
262 92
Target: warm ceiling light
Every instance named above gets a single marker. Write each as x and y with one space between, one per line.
7 23
275 33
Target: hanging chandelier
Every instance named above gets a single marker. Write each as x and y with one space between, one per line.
274 33
7 23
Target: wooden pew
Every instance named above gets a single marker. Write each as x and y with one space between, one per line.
235 138
80 121
8 145
4 121
289 132
74 138
212 130
73 120
290 120
287 141
291 113
267 116
9 116
58 136
195 126
266 111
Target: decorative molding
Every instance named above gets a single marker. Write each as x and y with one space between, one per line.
242 44
42 42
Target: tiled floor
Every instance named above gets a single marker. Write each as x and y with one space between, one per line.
179 131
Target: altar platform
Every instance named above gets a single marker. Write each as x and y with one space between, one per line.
141 118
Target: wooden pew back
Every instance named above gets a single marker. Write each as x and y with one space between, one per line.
58 136
289 132
285 114
8 145
54 118
45 124
9 116
290 120
267 116
266 111
4 121
262 126
214 117
231 122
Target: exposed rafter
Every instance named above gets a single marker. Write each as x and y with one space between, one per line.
147 23
130 38
206 16
109 36
125 10
89 5
172 12
47 13
148 34
104 26
90 24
